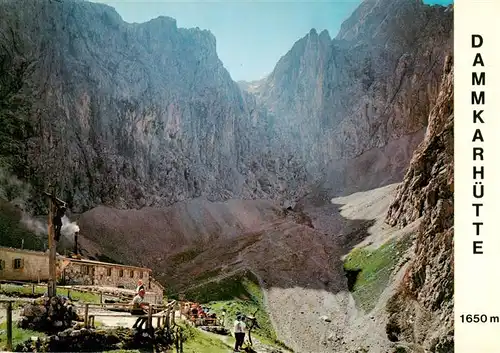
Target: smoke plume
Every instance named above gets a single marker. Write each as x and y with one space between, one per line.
69 228
37 227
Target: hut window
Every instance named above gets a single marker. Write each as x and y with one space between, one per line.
121 273
2 265
85 270
131 273
140 274
109 271
18 264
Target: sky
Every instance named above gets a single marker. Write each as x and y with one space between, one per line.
251 35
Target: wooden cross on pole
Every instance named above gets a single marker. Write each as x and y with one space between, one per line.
57 208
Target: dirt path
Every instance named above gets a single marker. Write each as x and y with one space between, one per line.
258 346
228 340
264 348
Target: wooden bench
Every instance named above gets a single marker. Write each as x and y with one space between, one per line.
209 320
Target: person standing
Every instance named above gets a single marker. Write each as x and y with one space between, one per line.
223 323
239 333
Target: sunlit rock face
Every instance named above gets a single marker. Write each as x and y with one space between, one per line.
133 115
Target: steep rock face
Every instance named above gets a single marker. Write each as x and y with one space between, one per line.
371 86
421 311
128 115
133 115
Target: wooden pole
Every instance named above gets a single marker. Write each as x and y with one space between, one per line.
75 250
9 326
177 339
150 317
86 319
51 290
53 210
250 335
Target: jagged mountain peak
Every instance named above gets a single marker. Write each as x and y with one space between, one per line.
313 34
373 19
354 92
308 51
325 35
158 26
136 93
163 19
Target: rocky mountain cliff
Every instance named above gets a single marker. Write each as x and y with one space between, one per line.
370 87
133 115
120 116
128 115
422 308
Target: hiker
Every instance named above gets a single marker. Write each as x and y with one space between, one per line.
239 333
140 286
139 308
202 312
194 311
223 316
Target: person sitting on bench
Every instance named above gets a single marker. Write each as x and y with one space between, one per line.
139 308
